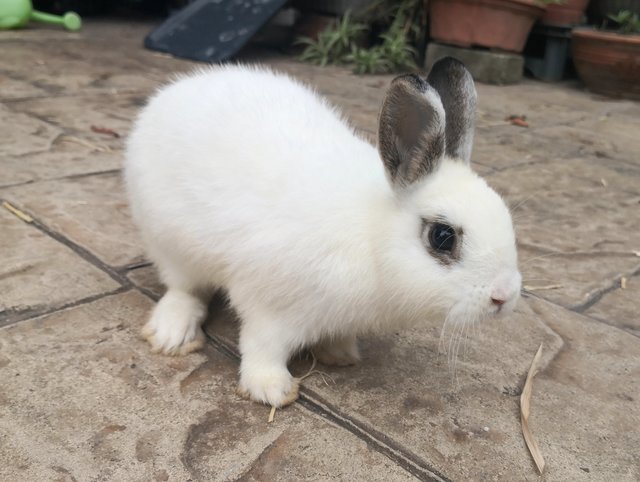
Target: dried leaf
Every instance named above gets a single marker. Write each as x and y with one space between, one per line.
106 131
518 120
16 212
525 408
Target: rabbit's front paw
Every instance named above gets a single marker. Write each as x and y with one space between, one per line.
271 387
174 327
340 352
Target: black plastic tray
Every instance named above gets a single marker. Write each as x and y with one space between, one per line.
212 30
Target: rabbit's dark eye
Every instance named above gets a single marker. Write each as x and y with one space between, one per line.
442 237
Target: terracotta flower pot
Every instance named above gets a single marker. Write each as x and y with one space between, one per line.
568 13
608 63
500 24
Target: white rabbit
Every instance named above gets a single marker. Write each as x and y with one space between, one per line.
245 180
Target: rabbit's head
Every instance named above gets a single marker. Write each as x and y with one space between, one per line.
455 238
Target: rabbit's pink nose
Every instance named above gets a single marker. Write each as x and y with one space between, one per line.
505 289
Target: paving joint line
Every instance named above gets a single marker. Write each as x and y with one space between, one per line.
398 455
389 448
30 313
82 175
628 331
586 315
50 89
40 117
76 248
134 266
315 404
17 184
62 178
599 294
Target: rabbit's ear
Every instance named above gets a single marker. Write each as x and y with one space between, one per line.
458 94
411 135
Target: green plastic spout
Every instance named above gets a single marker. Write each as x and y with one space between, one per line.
70 20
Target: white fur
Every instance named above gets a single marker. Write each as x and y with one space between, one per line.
246 180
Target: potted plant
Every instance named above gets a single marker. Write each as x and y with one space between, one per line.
608 60
499 24
599 9
567 12
385 42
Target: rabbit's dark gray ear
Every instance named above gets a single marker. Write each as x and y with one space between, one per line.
458 94
411 136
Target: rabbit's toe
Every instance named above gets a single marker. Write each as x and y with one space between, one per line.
174 327
173 343
276 388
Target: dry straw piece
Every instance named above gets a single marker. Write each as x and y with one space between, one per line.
16 212
525 408
272 414
312 371
540 288
85 143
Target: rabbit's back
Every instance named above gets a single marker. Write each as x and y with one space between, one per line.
244 162
261 120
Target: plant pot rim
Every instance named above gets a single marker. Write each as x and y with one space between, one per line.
595 34
531 4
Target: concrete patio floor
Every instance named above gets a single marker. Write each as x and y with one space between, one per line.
83 398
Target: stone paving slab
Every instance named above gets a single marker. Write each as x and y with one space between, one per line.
91 211
56 61
581 247
146 277
584 138
563 124
571 178
16 89
107 409
620 306
66 157
473 429
462 416
17 127
113 111
38 274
